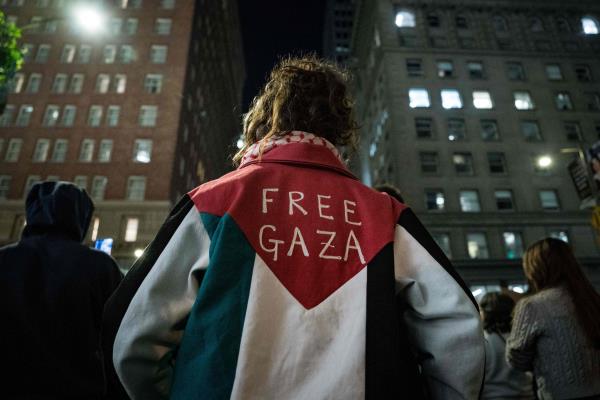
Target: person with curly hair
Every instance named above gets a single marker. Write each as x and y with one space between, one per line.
501 380
283 278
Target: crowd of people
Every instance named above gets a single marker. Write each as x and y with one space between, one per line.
285 279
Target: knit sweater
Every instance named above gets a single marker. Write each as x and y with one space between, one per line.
547 338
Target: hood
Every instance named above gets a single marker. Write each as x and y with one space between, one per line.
59 208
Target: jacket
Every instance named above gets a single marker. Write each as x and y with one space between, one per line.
280 280
52 293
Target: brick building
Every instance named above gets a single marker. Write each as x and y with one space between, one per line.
474 109
137 114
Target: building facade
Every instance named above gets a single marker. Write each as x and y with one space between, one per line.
474 109
137 113
337 30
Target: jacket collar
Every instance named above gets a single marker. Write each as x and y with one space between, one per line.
297 148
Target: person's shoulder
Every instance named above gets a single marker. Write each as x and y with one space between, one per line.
99 258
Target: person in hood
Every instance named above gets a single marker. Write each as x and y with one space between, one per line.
52 292
280 279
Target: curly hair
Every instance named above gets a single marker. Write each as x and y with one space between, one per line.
306 94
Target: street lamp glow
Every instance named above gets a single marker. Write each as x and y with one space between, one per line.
138 253
89 18
544 161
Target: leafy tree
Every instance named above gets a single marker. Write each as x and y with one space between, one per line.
11 57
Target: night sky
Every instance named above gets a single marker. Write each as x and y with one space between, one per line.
271 29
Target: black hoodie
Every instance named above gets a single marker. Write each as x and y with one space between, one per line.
52 293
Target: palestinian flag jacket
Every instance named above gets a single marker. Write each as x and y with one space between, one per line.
289 279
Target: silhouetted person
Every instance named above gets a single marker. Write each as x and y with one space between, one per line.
52 293
556 331
279 280
391 190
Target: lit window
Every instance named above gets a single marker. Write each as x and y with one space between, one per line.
405 19
51 115
559 234
489 130
24 115
167 4
42 54
443 241
553 72
414 67
451 99
115 26
419 98
589 25
127 54
13 150
53 178
27 50
84 54
477 245
109 54
40 154
445 69
98 187
105 150
136 188
456 129
513 245
434 199
60 83
523 101
131 229
102 83
80 181
162 26
59 154
504 200
496 163
33 84
153 83
475 69
112 115
86 153
549 200
515 71
469 201
429 162
68 115
142 150
463 163
4 186
531 131
147 116
424 128
573 131
76 84
482 100
158 54
563 101
119 83
95 227
17 83
68 53
131 25
95 115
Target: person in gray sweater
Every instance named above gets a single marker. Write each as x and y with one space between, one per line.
556 331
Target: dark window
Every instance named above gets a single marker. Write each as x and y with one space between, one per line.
489 130
414 67
456 129
504 200
573 131
536 24
429 162
475 70
500 23
445 69
433 20
531 131
583 72
462 22
563 25
592 100
496 163
424 128
515 71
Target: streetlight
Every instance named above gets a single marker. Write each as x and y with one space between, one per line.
89 18
138 253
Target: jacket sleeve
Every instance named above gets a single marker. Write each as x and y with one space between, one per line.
156 305
442 318
520 346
